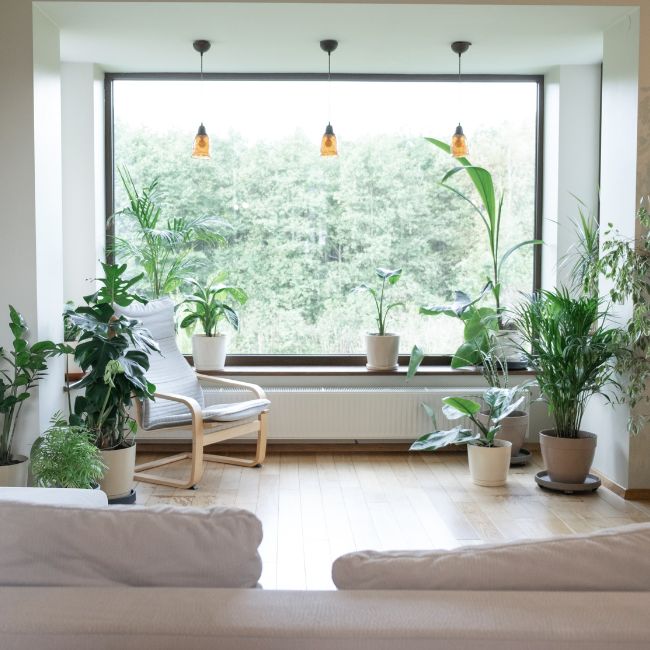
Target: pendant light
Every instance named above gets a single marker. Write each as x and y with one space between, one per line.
201 148
328 143
459 147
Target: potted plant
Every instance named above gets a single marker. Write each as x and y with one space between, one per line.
208 306
164 248
488 456
382 347
568 344
113 352
65 456
514 426
21 367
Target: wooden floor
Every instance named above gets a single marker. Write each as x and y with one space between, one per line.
314 507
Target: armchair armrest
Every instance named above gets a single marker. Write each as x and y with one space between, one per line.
190 402
253 388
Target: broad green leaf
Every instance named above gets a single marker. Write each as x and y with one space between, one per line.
439 439
512 249
458 407
417 356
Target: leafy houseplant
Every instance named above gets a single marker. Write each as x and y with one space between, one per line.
490 214
164 248
65 456
382 347
568 344
113 352
20 370
208 306
626 264
489 457
478 321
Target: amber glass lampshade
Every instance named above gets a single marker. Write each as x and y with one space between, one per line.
201 147
459 148
328 143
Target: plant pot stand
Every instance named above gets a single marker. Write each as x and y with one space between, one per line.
591 484
126 500
521 458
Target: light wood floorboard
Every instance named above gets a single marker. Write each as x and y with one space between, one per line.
317 506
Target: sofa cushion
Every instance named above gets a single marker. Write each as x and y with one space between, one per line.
128 545
55 496
610 560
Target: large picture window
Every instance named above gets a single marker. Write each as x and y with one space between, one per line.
302 231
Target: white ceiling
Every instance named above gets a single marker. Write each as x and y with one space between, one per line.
275 37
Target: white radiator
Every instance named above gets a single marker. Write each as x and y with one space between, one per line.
344 414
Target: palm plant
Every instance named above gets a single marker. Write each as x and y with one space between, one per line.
568 344
208 306
21 368
390 276
65 456
163 248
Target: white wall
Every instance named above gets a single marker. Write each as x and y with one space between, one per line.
571 161
82 112
618 206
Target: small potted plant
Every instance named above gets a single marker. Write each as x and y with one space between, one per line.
382 347
569 345
24 364
208 306
65 456
113 352
488 456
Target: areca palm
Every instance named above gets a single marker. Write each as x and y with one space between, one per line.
165 249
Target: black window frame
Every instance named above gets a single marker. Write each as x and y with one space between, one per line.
340 360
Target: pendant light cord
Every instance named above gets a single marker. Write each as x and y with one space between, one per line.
329 88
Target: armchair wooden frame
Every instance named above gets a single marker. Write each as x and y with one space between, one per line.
202 436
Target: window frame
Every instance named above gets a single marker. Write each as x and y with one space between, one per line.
339 360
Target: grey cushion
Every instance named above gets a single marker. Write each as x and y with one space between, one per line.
609 560
169 370
128 545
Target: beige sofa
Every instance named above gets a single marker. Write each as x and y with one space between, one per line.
96 577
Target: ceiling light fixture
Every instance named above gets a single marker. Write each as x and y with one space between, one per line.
201 148
328 143
459 147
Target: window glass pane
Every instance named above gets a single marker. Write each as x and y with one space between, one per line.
303 231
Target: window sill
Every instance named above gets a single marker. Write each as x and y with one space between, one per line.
344 371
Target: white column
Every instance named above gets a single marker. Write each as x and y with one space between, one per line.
82 114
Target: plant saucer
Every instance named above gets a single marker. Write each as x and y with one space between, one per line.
521 458
591 484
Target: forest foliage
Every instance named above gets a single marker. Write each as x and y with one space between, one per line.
303 231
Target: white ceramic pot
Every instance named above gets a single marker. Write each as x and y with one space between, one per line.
118 476
489 465
382 351
15 475
209 352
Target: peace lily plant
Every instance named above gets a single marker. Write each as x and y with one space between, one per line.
489 457
382 347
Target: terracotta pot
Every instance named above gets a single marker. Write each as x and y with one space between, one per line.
489 465
209 352
567 460
120 466
15 475
382 351
513 428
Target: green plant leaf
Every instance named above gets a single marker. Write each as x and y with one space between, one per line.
417 356
458 407
439 439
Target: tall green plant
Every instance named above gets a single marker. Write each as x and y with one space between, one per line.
572 350
163 248
490 212
113 352
208 306
390 276
625 263
21 367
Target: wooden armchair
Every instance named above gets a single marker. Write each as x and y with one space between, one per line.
180 402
